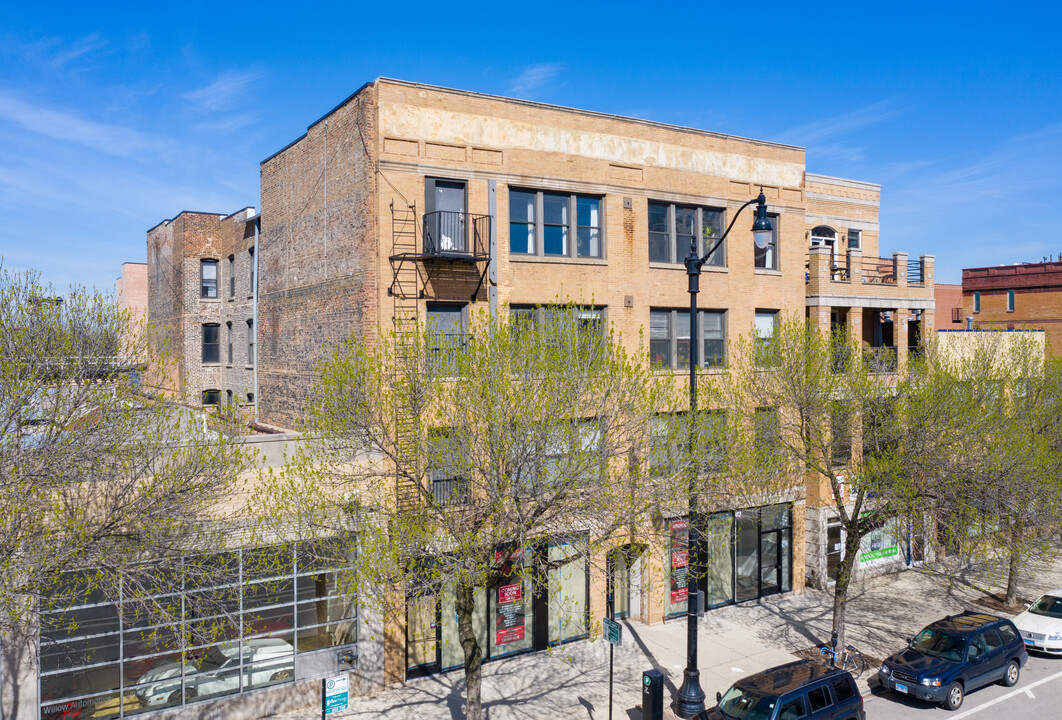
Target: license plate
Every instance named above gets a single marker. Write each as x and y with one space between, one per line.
1028 642
900 687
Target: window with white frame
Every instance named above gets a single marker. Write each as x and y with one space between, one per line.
674 228
551 224
765 333
670 337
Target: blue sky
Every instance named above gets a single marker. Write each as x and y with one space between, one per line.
114 119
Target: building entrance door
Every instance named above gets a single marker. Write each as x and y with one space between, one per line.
770 562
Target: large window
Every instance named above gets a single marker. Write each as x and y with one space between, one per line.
447 336
555 224
672 229
767 257
588 322
208 279
211 343
568 577
218 625
765 337
670 337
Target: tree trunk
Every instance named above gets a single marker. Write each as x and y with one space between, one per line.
465 603
1014 566
840 588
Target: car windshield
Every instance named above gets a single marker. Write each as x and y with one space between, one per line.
744 705
1047 605
940 644
213 660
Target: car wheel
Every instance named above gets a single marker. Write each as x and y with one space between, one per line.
282 675
953 700
1011 674
175 696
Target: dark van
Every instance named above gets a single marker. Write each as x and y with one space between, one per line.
802 690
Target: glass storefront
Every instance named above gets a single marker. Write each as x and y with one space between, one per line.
747 555
508 618
226 624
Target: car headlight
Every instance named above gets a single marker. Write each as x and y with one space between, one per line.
1055 636
931 682
884 669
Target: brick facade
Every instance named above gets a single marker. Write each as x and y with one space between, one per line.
176 250
1037 289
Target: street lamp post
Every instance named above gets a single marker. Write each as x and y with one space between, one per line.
690 701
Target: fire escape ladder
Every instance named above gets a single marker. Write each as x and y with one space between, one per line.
405 292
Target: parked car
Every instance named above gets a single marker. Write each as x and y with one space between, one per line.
954 656
266 661
802 689
1041 625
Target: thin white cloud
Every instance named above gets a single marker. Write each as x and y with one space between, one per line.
224 92
840 125
59 125
77 49
535 77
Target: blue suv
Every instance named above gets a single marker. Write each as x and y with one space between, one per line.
953 656
802 690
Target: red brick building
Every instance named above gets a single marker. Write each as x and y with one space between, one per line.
1016 297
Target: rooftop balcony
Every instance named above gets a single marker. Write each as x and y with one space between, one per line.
853 275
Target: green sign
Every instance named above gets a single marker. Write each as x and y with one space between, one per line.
612 631
336 694
878 554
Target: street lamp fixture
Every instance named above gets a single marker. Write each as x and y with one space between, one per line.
690 700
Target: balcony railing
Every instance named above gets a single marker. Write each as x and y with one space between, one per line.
456 235
879 271
449 491
880 359
915 272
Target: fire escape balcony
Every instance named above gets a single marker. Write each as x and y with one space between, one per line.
457 236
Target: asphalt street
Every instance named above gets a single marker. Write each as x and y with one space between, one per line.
1037 696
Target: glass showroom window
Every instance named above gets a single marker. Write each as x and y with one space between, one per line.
569 580
218 625
544 224
672 228
208 279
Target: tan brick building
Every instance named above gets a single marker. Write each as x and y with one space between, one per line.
408 202
1016 297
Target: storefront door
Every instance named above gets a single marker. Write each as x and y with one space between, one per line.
763 552
770 562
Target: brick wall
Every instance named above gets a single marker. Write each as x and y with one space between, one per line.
176 249
318 253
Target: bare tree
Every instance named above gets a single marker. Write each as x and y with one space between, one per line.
460 460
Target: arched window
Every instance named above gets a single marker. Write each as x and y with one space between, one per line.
823 235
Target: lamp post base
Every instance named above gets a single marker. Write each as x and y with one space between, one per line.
690 700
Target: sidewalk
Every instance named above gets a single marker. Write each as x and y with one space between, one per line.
572 681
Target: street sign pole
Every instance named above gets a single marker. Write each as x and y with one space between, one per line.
614 634
335 695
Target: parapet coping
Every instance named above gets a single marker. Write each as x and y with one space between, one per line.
539 105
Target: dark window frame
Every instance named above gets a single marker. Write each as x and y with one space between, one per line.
211 348
210 397
250 342
855 239
208 285
977 302
253 289
232 276
676 250
1010 301
701 337
572 227
228 328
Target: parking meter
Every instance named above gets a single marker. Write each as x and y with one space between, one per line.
653 695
